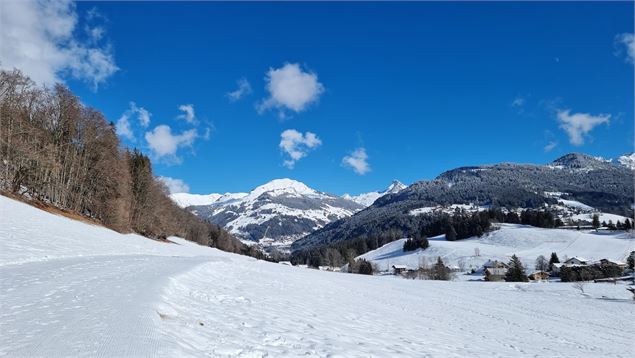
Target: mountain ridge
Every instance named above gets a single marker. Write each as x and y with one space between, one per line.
579 177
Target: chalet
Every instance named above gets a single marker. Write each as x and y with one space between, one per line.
555 268
495 264
399 269
576 261
607 263
539 276
495 274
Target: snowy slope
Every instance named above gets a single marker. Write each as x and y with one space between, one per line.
367 199
84 291
525 241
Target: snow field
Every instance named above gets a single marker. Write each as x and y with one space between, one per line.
525 241
68 288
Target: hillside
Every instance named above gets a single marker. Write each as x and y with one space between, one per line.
526 242
594 182
75 289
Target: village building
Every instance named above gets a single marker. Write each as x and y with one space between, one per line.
539 276
495 274
608 263
399 269
495 264
576 261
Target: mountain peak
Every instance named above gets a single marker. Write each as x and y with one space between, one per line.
577 161
395 187
282 186
367 199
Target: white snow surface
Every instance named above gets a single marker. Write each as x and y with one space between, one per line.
604 217
575 204
448 209
71 289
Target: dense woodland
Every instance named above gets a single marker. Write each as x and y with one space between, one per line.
60 152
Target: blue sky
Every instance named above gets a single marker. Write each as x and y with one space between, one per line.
347 97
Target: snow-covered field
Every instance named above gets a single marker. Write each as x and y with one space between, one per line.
526 242
72 289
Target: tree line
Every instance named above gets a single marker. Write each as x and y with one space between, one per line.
60 152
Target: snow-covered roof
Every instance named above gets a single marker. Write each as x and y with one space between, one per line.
401 267
497 271
494 263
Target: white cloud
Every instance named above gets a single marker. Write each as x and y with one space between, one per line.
39 38
627 41
290 88
174 185
297 145
550 146
578 125
96 33
124 127
518 102
164 144
244 88
358 161
188 113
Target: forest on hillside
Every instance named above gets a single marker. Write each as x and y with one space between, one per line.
57 151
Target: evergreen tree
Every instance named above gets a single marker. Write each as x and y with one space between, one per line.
416 243
553 260
631 260
516 271
315 260
512 218
440 271
364 267
627 225
450 233
596 221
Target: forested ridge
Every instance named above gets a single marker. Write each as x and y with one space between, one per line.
597 183
60 152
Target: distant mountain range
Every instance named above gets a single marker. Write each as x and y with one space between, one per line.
278 212
367 199
283 212
604 185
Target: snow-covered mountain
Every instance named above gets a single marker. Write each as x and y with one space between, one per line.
367 199
186 199
627 160
597 183
278 212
